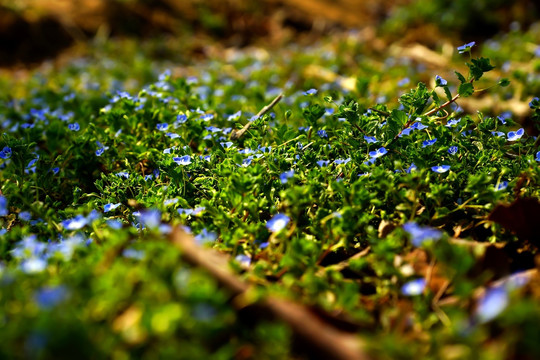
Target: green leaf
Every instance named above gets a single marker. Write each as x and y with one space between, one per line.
478 67
415 100
504 82
461 77
447 92
466 89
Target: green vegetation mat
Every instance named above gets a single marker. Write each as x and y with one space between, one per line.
349 181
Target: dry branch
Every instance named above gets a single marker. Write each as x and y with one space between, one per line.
321 336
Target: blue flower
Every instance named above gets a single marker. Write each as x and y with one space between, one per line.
162 126
3 206
322 133
377 153
49 297
243 260
310 92
33 265
123 174
515 135
418 126
284 177
466 48
172 135
420 234
278 222
439 81
226 145
411 168
406 132
501 186
537 156
180 119
370 139
131 253
114 224
342 161
452 123
426 143
497 133
110 207
414 287
440 168
235 116
452 150
323 163
205 236
535 103
25 215
403 82
207 117
5 153
492 303
77 223
184 160
74 127
150 218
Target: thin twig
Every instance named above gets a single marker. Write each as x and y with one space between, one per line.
236 134
433 111
380 111
322 337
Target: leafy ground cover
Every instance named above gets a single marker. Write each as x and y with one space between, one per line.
349 182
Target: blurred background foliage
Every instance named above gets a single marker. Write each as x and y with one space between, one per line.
34 30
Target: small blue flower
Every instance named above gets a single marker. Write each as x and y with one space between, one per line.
403 82
243 260
515 135
414 287
207 117
322 134
180 119
466 48
418 126
25 215
162 126
226 145
310 92
183 160
323 163
370 139
342 161
5 153
235 116
439 81
420 234
497 133
492 303
247 161
501 186
74 127
440 168
33 265
77 223
205 236
534 103
537 156
452 150
284 177
100 151
114 224
411 168
377 153
278 222
3 206
172 135
452 123
406 132
123 174
48 297
150 218
426 143
110 207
